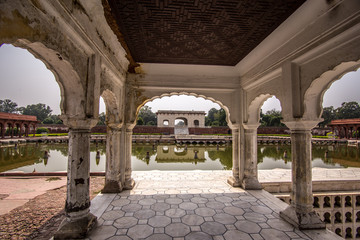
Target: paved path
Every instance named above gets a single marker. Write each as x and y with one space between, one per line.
318 174
16 191
192 205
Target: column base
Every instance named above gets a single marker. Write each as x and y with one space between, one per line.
129 184
302 220
233 182
112 187
251 184
75 229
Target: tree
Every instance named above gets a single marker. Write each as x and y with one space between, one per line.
271 118
210 116
40 110
216 118
328 115
151 123
139 121
48 120
215 124
102 119
56 119
52 119
148 117
348 110
222 117
8 106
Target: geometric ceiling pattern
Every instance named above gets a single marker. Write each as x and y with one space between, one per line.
211 32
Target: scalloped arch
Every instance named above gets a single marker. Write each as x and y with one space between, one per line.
255 106
188 94
313 97
110 99
71 89
112 106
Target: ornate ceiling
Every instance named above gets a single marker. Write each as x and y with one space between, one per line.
211 32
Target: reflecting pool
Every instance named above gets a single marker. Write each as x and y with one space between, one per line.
53 157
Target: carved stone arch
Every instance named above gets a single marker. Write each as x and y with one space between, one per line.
71 89
184 119
160 95
113 114
163 123
255 106
38 27
112 91
313 97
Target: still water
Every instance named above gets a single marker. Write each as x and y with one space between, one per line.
31 157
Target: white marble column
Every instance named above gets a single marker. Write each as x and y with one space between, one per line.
300 213
78 219
113 183
129 182
250 180
234 180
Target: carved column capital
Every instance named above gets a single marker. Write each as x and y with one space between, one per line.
234 126
251 126
297 124
79 123
115 126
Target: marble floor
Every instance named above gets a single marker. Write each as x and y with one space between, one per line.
192 205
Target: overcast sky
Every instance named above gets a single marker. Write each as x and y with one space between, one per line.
25 80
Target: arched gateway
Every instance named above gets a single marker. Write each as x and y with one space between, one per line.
236 54
191 118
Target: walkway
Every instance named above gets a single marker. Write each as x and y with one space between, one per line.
192 205
318 174
16 191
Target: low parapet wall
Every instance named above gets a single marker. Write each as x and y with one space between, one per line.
317 186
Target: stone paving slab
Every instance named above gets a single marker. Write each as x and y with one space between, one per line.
16 191
191 205
318 174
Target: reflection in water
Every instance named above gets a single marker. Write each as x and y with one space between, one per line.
332 156
180 157
53 157
41 157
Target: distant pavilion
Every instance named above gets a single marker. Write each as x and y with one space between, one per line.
167 118
22 122
344 128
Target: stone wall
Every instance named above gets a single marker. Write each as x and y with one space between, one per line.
190 117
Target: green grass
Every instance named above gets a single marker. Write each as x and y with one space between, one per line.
49 135
316 136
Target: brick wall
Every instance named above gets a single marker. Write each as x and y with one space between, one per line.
58 128
273 130
153 129
212 130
